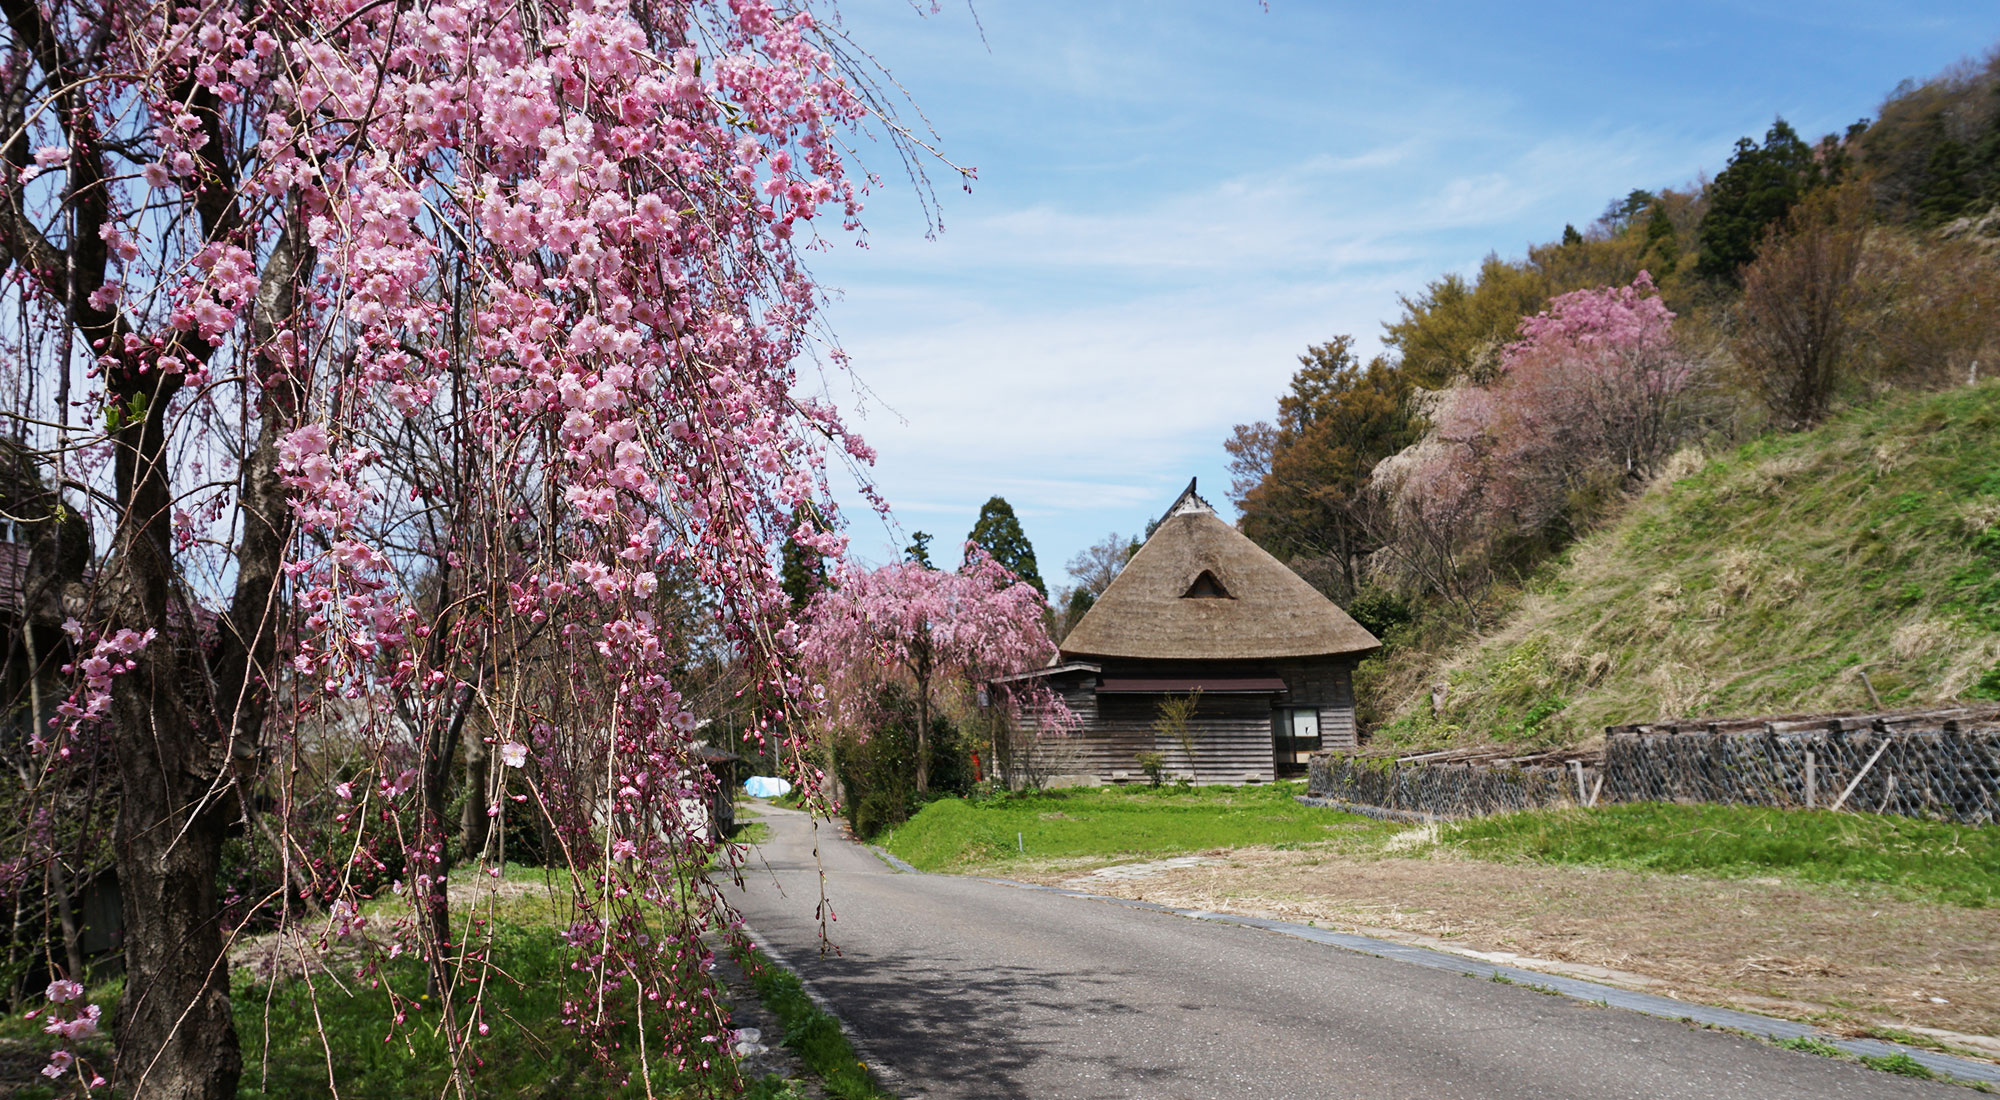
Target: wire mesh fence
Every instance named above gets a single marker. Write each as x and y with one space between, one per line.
1942 763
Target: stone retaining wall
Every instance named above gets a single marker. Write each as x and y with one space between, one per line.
1952 774
1439 790
1936 764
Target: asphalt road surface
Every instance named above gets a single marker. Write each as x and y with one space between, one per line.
989 992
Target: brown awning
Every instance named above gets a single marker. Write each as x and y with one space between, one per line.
1188 685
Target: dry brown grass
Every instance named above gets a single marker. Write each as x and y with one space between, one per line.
1842 958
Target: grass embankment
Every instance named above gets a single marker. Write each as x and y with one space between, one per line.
1108 822
812 1034
1762 583
381 1034
1899 856
1917 860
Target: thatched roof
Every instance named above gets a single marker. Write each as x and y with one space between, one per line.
1199 589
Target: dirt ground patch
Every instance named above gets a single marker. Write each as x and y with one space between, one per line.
290 954
1846 960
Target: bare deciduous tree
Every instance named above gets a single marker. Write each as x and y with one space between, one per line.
1796 326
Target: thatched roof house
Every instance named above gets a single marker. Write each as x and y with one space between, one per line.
1202 609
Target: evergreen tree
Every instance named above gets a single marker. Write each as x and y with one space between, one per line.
1756 190
1984 168
1947 187
998 532
1571 236
1663 248
1340 418
1636 203
919 550
803 572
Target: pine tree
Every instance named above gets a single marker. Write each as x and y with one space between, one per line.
1947 187
998 532
803 572
1756 190
1663 248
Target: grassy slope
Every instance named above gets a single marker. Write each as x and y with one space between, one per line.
1762 583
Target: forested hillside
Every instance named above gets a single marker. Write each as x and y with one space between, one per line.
1440 490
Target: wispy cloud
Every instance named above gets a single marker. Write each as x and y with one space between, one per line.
1175 202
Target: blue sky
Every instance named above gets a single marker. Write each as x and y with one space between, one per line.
1177 197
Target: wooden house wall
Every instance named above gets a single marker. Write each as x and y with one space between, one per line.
1328 685
1232 737
1233 733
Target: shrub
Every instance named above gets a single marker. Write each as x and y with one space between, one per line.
879 770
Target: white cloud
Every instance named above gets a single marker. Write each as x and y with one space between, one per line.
1083 362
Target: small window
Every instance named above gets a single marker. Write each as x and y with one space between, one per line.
1295 739
1305 730
1206 587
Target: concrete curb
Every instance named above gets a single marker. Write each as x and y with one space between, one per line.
1765 1027
887 1076
893 860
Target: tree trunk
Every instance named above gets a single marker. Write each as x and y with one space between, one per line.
180 768
176 1037
430 873
923 723
474 826
430 877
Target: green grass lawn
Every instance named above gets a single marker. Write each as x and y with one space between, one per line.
1922 860
530 1052
1112 822
1906 857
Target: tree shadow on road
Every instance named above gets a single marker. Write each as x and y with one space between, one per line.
989 1035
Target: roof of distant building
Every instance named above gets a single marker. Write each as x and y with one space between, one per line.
1199 588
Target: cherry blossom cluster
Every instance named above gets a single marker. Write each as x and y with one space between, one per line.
566 238
1590 396
109 657
1601 326
871 626
72 1020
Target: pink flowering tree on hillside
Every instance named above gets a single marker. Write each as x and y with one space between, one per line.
1590 400
1602 369
931 630
251 246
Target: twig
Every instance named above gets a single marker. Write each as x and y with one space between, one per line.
1873 699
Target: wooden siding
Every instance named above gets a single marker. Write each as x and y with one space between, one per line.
1327 684
1233 733
1232 738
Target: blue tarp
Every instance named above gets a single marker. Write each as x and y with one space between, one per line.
764 786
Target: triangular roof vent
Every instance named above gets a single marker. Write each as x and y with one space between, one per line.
1207 586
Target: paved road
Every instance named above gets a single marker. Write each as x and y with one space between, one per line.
982 991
